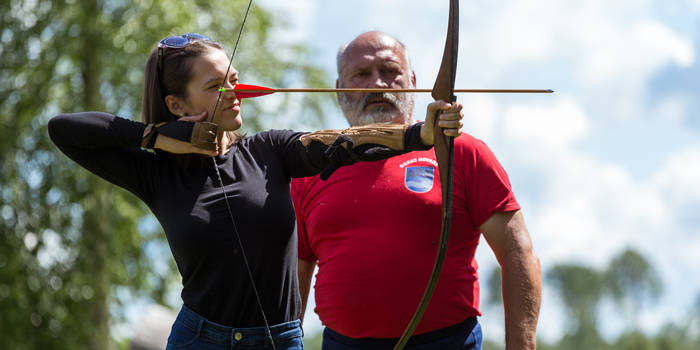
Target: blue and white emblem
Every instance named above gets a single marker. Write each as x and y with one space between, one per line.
419 178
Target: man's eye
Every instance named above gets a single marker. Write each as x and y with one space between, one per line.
391 70
360 74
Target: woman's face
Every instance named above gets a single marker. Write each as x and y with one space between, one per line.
209 74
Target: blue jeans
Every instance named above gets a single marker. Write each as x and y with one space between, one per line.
191 331
463 336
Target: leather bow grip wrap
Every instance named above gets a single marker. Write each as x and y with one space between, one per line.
332 149
199 134
387 134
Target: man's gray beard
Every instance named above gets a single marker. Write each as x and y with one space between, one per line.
357 116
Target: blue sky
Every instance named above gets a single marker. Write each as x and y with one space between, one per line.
611 160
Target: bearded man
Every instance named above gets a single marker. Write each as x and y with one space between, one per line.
375 247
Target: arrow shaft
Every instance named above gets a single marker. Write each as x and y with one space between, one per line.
368 90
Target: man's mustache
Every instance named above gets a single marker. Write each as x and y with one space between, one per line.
383 96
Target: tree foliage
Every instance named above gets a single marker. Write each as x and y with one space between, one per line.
72 245
629 282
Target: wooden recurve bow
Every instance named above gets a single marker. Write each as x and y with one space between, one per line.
444 152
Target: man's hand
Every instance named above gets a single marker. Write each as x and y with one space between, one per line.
448 116
172 145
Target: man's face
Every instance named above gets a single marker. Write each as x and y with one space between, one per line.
375 61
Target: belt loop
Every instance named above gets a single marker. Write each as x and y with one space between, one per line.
200 325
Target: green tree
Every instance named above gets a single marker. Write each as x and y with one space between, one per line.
632 281
629 280
580 289
68 240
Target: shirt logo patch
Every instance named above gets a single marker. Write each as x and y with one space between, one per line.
419 178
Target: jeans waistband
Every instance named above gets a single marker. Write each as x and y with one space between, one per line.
223 334
462 327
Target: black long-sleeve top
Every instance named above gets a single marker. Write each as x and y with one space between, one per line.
189 204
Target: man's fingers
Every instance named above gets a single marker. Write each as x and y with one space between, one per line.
436 107
451 116
447 116
452 131
451 127
450 108
450 124
451 120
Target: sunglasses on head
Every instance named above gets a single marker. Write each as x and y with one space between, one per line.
176 42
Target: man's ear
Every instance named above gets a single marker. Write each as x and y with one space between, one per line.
337 86
413 78
175 105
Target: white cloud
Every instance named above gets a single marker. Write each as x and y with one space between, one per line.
673 110
600 49
630 52
480 116
546 128
679 177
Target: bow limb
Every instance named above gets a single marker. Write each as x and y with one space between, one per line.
444 152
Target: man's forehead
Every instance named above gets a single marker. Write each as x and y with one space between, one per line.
377 41
365 54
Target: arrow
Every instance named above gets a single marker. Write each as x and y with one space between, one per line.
246 91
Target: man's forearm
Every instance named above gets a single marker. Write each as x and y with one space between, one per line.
522 292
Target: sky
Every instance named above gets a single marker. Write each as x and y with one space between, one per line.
610 160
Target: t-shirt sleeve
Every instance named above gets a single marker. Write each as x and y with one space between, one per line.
298 189
488 188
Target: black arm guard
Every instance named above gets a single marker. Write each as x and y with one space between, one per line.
200 134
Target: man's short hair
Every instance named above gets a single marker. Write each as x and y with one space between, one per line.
341 51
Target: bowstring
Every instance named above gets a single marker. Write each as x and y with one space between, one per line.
230 62
223 189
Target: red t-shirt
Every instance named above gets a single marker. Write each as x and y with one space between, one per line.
373 228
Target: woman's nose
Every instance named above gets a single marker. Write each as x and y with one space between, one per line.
229 93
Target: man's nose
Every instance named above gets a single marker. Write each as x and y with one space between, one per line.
378 81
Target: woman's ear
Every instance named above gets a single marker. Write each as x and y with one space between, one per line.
175 105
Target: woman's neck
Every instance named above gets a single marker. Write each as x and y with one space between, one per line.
223 141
